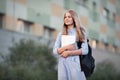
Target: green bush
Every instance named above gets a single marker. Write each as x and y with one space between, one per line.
105 71
29 61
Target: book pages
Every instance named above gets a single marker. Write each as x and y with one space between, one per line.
67 40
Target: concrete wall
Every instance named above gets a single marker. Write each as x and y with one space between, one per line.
8 38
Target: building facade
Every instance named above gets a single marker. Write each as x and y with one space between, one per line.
43 20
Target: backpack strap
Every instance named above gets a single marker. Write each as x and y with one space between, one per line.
81 56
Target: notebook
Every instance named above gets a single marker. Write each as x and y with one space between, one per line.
67 40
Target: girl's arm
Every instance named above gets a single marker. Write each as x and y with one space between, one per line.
65 48
57 49
82 51
57 44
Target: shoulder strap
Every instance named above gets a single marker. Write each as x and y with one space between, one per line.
81 56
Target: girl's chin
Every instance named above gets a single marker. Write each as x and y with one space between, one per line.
68 24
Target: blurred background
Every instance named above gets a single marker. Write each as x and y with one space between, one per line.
28 29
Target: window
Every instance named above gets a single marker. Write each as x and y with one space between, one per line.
94 5
27 27
82 2
106 13
24 26
1 20
94 12
48 32
113 17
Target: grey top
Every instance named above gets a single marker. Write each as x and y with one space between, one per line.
57 45
69 68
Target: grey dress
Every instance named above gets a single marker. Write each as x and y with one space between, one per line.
69 68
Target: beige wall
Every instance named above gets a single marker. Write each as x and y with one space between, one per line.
103 29
37 30
113 2
117 34
10 23
24 2
55 34
117 19
111 48
84 20
101 45
57 10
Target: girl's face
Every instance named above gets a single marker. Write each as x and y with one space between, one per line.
68 20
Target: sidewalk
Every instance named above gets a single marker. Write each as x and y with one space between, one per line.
101 55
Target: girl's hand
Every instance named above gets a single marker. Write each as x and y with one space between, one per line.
65 54
65 48
71 47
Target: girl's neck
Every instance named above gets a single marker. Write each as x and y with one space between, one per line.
70 27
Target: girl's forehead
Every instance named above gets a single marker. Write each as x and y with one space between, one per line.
67 14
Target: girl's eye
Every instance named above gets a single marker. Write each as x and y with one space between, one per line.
69 16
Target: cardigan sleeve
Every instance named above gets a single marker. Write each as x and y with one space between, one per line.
84 47
57 44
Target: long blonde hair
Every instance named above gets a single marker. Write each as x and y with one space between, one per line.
79 29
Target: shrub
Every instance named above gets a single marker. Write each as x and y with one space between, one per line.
105 71
29 61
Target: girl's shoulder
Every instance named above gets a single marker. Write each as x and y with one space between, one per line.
59 34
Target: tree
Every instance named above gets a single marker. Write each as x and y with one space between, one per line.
29 61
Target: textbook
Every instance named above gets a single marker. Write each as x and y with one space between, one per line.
67 40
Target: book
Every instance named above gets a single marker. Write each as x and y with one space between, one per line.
67 40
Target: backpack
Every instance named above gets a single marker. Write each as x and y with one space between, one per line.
87 62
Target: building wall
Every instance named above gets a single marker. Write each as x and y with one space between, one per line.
100 17
8 38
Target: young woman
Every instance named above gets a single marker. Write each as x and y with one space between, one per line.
68 60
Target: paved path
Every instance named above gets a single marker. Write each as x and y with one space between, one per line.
101 55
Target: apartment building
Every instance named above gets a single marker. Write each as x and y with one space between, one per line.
42 20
